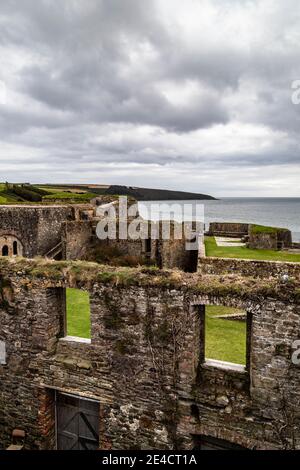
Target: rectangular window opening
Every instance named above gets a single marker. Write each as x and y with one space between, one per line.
225 337
77 315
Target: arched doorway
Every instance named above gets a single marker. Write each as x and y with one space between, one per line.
15 248
5 250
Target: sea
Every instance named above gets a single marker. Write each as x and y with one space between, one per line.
274 212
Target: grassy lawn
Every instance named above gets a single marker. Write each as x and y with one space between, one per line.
51 190
245 253
225 340
78 313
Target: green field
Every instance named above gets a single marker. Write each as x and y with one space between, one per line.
225 340
4 198
31 194
212 249
69 196
78 313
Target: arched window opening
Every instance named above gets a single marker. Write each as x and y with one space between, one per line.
5 250
15 248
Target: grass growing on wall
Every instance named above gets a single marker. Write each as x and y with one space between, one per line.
225 340
264 229
78 313
212 249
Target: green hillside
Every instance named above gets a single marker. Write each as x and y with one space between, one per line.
11 193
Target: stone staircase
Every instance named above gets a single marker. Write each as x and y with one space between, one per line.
55 252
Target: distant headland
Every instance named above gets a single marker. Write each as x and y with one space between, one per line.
148 194
12 193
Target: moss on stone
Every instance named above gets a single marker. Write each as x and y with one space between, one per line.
86 274
112 319
265 229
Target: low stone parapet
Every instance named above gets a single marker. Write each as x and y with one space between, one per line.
249 268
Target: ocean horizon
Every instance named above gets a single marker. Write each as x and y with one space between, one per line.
272 211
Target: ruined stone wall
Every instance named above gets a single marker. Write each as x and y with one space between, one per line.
164 253
173 254
129 366
145 361
228 229
284 238
164 248
257 408
10 246
252 268
173 249
278 239
38 228
50 226
167 254
76 238
263 241
125 247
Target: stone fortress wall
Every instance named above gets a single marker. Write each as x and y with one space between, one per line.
266 238
228 229
37 228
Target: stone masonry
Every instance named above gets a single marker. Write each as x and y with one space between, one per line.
37 228
145 363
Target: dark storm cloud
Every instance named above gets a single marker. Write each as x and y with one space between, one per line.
99 99
156 83
87 69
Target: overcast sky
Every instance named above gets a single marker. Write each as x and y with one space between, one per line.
192 95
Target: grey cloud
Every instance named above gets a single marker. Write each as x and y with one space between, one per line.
120 103
90 68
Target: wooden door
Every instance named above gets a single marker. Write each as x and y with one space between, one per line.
77 423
